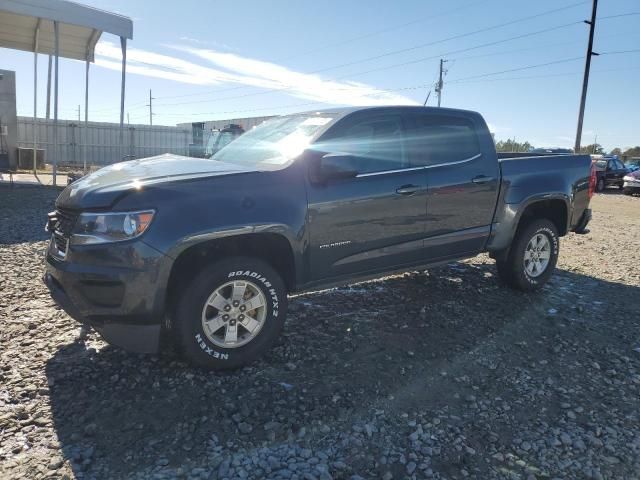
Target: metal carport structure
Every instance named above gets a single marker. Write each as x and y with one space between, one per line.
62 29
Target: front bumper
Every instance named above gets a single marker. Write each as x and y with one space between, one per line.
631 185
119 290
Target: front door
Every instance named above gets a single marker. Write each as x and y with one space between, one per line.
615 172
376 220
462 181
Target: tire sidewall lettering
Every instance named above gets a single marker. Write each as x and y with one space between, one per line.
209 350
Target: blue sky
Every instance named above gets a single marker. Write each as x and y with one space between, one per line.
216 60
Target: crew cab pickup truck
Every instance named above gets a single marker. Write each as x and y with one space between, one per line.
203 252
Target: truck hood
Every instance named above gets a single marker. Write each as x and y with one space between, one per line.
102 188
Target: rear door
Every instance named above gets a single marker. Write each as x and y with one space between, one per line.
462 180
375 221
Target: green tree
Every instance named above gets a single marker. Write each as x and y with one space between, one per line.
512 146
594 148
616 151
632 152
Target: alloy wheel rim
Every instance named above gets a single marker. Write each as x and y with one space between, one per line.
537 255
234 314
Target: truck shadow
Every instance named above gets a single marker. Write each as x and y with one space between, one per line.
345 353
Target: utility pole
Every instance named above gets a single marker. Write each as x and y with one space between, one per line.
49 89
440 82
150 105
78 113
587 67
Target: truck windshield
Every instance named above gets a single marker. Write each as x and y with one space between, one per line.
211 143
273 143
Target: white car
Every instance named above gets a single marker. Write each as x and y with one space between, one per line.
631 183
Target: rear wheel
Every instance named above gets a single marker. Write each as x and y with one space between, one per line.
532 258
231 313
600 185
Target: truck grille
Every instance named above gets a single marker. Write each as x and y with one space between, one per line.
61 224
65 221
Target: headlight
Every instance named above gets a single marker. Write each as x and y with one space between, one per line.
94 228
630 179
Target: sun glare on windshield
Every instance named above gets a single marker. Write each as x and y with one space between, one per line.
273 143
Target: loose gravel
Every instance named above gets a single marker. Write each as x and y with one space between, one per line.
445 374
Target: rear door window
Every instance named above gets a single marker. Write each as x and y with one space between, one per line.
441 139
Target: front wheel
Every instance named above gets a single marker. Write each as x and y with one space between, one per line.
532 258
600 185
230 314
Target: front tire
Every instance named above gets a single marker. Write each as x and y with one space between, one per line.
600 185
230 314
532 258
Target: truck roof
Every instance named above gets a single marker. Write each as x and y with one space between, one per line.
343 111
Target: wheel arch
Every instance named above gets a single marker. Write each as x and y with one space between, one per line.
556 208
273 248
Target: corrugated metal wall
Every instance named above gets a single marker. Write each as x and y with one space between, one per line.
102 141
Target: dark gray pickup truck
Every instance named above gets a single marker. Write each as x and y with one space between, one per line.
205 251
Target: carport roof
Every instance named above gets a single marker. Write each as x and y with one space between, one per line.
79 26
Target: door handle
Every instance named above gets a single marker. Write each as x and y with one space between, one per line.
407 189
480 179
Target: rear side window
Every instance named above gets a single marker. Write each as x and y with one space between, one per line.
436 139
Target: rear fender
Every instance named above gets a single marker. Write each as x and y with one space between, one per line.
508 219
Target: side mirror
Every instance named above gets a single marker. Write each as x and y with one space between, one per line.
333 166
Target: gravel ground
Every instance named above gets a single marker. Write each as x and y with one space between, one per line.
445 374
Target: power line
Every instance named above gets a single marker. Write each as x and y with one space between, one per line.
350 40
422 59
539 46
528 67
413 87
527 77
446 54
385 30
454 37
423 45
620 51
628 14
287 87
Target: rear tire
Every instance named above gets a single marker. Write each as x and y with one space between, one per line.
213 330
532 257
600 185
